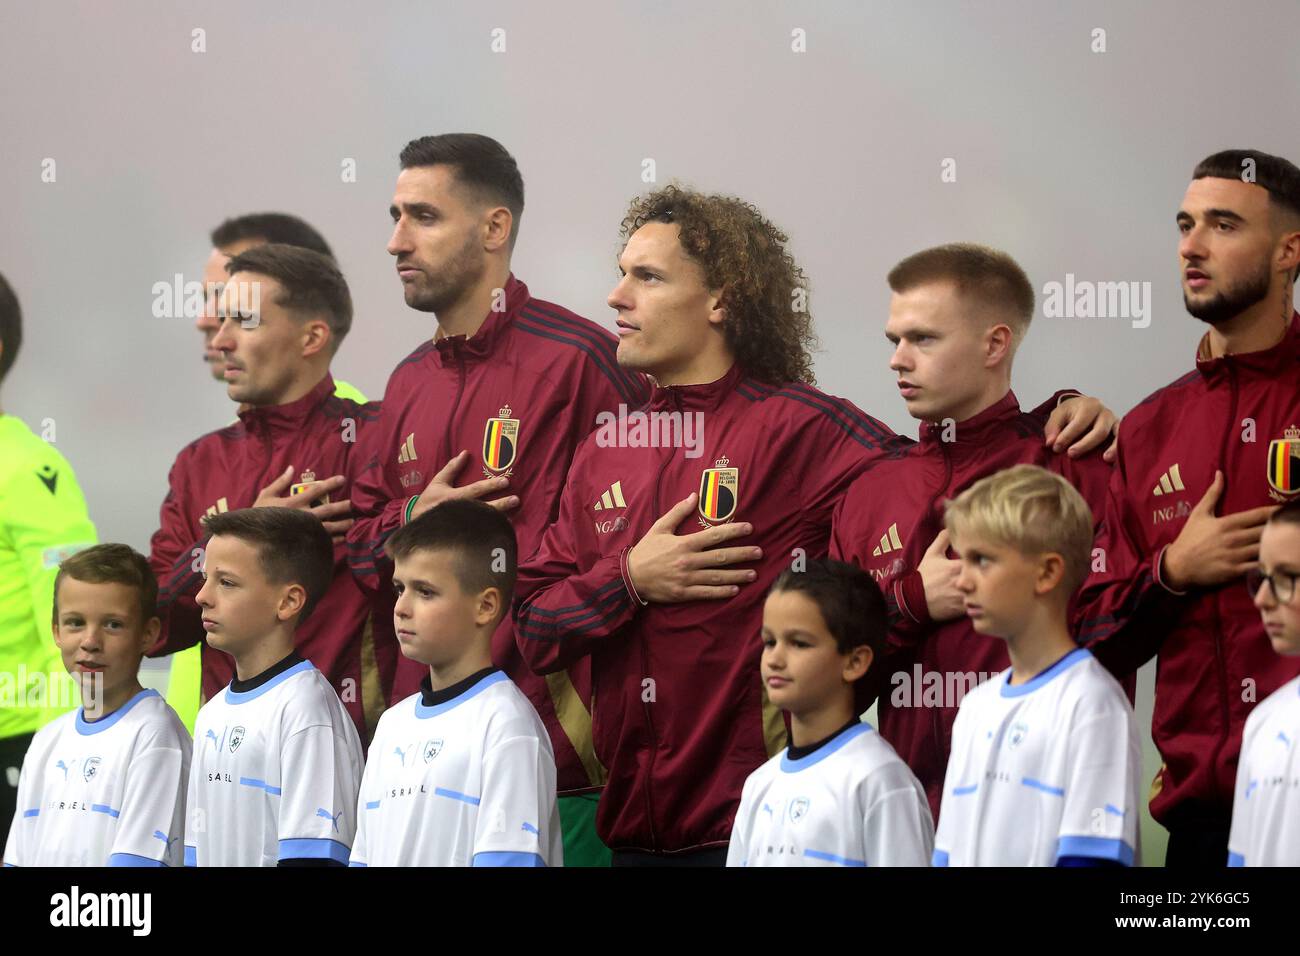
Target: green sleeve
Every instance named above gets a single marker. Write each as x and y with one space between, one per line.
43 520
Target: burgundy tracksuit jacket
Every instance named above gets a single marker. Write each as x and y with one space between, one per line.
224 471
680 716
885 523
1239 414
520 395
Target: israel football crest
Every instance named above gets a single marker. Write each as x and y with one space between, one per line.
236 738
798 809
500 444
719 493
432 748
90 768
1284 465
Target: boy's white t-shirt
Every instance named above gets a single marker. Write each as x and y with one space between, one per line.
469 781
274 775
851 802
1266 802
1042 770
107 793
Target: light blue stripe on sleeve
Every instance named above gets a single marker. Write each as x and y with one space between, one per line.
104 808
314 850
1236 859
359 866
1045 787
261 785
455 795
1100 848
372 804
191 856
502 858
34 812
832 858
130 859
940 858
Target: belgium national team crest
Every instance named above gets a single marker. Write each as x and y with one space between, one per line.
500 444
719 493
1284 465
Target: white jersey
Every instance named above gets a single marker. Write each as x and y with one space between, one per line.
1042 770
275 774
469 781
851 802
108 793
1266 803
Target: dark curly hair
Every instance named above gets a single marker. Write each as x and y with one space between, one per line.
768 326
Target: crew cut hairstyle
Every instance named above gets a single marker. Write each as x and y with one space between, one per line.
482 165
111 564
1279 176
292 547
480 539
987 277
279 227
311 284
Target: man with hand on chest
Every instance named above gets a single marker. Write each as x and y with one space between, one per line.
284 312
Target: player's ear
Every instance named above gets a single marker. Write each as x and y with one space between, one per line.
316 337
489 606
718 306
1288 248
496 228
998 343
857 663
292 601
149 634
1051 572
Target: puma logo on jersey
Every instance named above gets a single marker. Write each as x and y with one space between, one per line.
1169 482
889 541
159 835
333 817
408 450
64 767
221 507
613 498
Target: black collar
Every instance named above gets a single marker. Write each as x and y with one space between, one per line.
798 753
244 686
433 698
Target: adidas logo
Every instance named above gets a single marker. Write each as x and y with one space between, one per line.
408 450
221 507
613 498
1170 482
889 541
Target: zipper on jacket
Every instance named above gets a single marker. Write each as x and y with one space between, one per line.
936 713
645 664
1218 617
455 405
